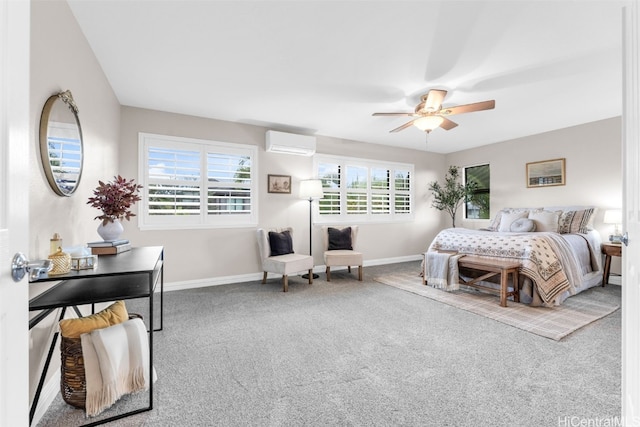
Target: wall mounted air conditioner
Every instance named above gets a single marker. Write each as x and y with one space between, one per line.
289 143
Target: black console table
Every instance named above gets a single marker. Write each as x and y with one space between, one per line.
127 275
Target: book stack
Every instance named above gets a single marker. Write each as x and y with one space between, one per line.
109 248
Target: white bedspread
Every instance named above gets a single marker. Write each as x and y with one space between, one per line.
546 258
116 361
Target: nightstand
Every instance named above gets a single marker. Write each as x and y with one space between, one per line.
609 250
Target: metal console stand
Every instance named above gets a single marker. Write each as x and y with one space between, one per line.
128 275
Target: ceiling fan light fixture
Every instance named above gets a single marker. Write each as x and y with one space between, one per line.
431 107
429 113
428 123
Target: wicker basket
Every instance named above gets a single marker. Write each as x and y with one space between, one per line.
73 385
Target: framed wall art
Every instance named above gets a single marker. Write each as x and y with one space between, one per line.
546 173
279 184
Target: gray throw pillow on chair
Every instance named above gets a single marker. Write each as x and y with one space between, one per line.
280 243
340 239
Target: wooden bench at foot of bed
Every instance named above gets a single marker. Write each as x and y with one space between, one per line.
492 267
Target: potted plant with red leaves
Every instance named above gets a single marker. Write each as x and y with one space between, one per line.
115 199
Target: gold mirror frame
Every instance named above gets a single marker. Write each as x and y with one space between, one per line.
61 147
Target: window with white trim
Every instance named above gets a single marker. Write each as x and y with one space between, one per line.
194 183
478 208
363 190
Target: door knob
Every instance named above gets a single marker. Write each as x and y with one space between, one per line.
20 266
625 239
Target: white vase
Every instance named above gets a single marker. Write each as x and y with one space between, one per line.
111 231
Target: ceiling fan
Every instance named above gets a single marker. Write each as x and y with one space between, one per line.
429 114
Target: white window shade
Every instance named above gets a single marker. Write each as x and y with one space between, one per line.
191 183
363 190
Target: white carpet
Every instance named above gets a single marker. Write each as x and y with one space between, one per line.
555 322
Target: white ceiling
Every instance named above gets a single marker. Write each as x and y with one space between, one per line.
323 67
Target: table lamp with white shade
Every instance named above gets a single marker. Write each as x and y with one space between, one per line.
614 216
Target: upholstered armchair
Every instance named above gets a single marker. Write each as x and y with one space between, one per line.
339 249
277 256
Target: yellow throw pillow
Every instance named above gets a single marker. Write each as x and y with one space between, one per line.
112 315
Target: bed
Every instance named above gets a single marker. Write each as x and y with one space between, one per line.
557 249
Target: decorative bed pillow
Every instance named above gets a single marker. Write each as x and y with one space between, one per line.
523 225
339 239
575 221
546 220
112 315
508 218
495 224
280 243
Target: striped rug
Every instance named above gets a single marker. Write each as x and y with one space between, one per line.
550 322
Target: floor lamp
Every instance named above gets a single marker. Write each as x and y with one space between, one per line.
311 189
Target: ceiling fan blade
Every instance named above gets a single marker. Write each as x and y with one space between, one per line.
447 124
393 114
469 108
404 126
433 100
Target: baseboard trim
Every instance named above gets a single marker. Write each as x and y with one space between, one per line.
48 394
395 260
227 280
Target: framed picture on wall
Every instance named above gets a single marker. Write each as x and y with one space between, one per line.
279 184
546 173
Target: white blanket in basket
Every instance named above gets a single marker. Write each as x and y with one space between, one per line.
116 362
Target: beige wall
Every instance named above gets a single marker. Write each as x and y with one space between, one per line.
62 59
593 154
221 253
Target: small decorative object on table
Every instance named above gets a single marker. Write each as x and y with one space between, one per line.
110 230
109 248
115 200
55 243
81 258
86 262
61 262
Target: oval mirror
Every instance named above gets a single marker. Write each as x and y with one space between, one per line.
61 143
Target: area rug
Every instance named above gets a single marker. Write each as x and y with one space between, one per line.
550 322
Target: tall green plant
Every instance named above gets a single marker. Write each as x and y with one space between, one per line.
449 197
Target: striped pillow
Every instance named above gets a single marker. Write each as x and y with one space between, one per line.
575 221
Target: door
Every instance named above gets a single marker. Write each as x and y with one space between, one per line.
631 208
14 210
